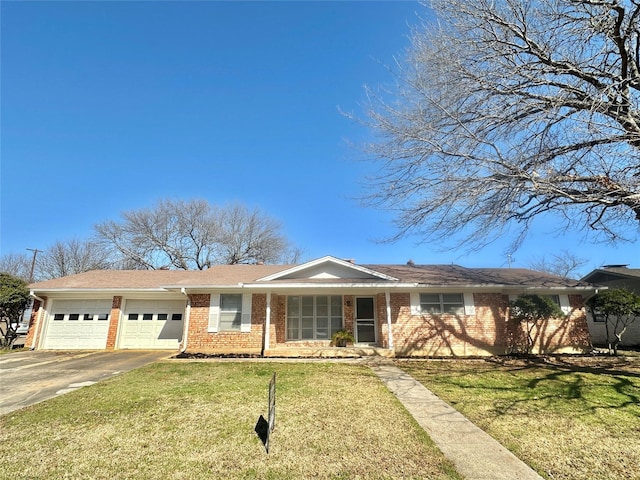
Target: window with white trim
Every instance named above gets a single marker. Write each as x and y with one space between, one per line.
311 317
230 312
554 298
452 303
561 301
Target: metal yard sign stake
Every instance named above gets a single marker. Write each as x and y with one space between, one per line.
264 427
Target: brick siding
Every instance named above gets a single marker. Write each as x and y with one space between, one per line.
35 320
488 332
201 340
114 322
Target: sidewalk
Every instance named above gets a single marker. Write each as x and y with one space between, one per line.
475 454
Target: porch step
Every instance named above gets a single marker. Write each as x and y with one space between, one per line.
328 352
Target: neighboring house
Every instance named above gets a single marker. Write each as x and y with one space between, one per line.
614 276
284 310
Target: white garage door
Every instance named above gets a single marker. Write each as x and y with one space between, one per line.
152 324
78 324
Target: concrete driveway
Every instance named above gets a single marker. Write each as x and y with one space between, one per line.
30 377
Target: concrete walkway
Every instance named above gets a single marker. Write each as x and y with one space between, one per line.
475 454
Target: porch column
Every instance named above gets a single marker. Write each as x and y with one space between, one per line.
267 324
387 297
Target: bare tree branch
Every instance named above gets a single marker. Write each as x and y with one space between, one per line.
563 264
71 257
507 110
193 234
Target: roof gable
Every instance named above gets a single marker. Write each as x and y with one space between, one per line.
603 275
328 268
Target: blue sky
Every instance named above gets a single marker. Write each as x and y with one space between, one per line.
111 106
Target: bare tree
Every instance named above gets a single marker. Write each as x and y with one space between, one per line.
506 110
193 235
563 264
17 265
70 257
249 236
174 234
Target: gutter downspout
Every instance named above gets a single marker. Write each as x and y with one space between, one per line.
186 321
387 297
36 337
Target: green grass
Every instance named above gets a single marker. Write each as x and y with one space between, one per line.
569 418
190 420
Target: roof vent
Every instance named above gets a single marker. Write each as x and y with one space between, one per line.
616 266
350 260
411 263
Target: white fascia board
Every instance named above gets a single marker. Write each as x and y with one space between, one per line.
322 260
155 294
541 288
311 286
96 290
502 288
208 286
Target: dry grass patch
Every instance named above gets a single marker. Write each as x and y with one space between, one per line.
569 418
189 420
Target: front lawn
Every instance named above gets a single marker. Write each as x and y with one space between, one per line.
191 420
573 418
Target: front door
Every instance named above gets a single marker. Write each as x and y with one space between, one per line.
365 320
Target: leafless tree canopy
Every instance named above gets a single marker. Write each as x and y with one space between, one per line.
563 264
70 257
508 109
249 236
17 265
193 234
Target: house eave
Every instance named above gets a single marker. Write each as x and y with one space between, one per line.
49 291
322 285
229 286
262 286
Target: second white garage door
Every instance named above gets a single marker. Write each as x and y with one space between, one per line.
149 324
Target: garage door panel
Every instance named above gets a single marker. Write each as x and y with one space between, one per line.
153 324
78 324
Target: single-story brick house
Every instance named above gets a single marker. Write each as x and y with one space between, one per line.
274 310
614 276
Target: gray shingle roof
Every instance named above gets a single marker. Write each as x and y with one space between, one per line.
149 279
611 273
456 275
226 275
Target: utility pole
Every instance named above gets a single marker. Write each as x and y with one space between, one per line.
33 262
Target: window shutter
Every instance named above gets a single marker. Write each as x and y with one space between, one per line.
415 303
245 325
564 304
469 306
214 312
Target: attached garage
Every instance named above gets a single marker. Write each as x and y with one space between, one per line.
152 324
78 325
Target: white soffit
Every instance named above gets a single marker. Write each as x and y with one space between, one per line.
327 268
